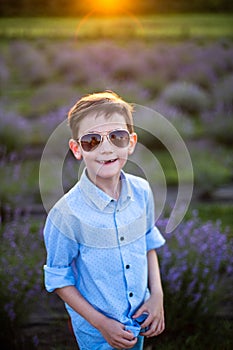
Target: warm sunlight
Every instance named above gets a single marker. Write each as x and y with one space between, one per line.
106 7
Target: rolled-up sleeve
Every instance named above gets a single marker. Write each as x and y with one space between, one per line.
59 269
58 277
154 238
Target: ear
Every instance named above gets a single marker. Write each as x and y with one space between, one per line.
75 148
132 143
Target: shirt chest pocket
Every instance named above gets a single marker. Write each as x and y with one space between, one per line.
133 230
122 230
97 236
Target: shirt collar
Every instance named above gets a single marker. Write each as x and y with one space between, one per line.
101 199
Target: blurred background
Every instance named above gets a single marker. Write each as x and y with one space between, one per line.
175 57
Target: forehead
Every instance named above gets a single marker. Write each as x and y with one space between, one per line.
102 123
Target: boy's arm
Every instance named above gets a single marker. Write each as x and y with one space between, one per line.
154 280
78 303
113 331
154 305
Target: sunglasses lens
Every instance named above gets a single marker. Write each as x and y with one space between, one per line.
119 138
90 141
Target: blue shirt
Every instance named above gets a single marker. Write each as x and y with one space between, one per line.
99 245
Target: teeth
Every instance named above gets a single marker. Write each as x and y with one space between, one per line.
107 161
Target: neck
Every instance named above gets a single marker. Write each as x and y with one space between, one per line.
111 187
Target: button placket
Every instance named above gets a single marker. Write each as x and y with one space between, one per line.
129 276
125 255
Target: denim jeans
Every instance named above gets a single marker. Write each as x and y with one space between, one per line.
139 345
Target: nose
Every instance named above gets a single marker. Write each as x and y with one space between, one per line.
106 146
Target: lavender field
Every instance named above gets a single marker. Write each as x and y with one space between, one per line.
190 82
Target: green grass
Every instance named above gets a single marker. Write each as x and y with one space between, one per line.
215 335
176 26
19 180
214 211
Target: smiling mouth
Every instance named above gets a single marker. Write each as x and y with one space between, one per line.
110 161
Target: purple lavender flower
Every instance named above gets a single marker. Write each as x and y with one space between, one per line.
31 63
21 260
195 261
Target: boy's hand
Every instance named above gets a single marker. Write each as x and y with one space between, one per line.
115 334
155 319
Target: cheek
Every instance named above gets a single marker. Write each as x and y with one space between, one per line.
87 158
123 155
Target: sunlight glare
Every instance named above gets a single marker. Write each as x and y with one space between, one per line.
108 7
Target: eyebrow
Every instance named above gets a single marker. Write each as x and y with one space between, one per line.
100 132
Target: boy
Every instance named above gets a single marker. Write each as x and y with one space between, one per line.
100 236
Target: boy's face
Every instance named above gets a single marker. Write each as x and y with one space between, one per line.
105 161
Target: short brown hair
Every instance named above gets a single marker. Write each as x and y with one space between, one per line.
106 103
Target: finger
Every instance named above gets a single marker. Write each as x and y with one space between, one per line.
128 335
147 321
139 312
125 343
152 328
155 329
150 333
161 327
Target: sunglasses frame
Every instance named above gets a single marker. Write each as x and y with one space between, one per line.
107 134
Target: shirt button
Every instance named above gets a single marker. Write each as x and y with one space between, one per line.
122 239
130 294
127 266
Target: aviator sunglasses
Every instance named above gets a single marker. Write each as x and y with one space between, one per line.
119 138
